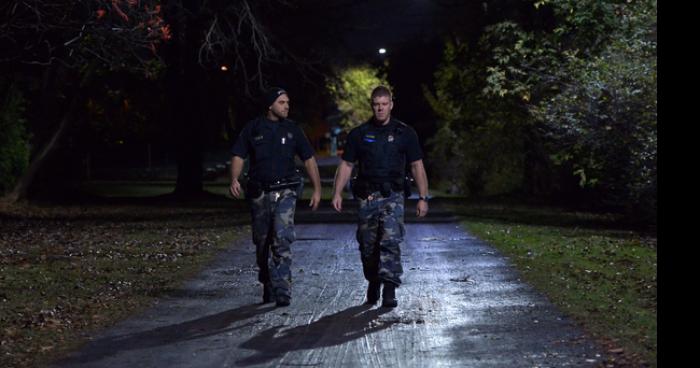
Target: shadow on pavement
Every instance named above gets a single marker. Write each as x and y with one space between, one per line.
195 329
335 329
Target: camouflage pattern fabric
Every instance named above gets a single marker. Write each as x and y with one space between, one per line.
380 233
273 233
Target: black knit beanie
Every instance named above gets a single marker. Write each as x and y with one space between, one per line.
272 94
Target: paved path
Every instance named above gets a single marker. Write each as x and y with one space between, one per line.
461 305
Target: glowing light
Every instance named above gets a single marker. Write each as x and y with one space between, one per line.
382 51
224 68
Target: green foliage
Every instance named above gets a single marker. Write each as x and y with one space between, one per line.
14 148
588 83
603 118
351 90
605 122
480 142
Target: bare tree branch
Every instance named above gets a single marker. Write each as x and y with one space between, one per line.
116 33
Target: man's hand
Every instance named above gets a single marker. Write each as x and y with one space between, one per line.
418 172
422 208
312 170
235 188
342 175
236 168
315 200
338 202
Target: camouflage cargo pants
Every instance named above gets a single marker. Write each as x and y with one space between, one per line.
380 233
273 233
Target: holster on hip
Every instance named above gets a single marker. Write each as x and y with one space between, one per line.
360 188
407 181
253 189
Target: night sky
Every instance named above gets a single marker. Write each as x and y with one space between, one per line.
413 33
393 23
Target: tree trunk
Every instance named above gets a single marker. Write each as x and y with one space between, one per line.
20 190
188 136
184 81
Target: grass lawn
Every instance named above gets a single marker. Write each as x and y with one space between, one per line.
605 278
67 271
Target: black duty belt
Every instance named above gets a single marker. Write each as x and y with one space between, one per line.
255 189
362 188
281 184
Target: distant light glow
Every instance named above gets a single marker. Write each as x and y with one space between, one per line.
224 68
382 51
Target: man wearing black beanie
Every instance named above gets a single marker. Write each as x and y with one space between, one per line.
271 142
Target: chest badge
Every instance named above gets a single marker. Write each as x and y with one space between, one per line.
258 138
390 138
290 135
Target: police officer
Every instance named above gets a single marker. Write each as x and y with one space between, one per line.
271 143
382 147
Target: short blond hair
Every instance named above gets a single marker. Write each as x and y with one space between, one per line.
381 91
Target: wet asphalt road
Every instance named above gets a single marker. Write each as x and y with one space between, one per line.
461 305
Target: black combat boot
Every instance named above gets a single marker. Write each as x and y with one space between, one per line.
373 292
389 296
268 295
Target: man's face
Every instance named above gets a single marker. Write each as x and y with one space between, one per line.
381 106
280 107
